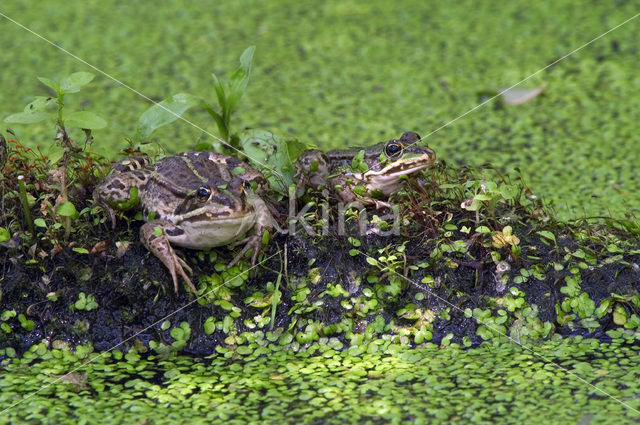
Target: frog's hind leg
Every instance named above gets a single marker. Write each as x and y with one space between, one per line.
154 236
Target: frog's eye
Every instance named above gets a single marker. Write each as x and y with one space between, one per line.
393 149
203 192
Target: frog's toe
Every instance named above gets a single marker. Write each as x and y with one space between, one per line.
161 248
107 209
252 242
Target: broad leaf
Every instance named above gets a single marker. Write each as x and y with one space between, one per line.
4 235
75 81
28 117
84 119
40 103
295 148
273 155
50 83
164 113
67 209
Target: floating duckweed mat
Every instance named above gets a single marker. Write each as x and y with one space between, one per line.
379 382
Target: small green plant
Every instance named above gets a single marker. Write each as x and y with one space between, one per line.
84 302
175 106
181 335
26 323
272 154
44 108
392 263
73 161
5 317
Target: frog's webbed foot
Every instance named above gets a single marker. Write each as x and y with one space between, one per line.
252 242
161 248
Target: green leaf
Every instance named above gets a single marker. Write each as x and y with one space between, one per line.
67 209
84 119
40 103
28 117
270 154
239 79
358 163
295 148
75 81
177 334
203 147
209 326
80 250
222 97
164 113
40 222
509 192
4 234
548 235
222 127
50 83
372 261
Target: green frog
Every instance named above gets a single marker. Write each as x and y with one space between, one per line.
365 174
195 200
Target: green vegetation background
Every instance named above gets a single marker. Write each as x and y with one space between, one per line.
352 73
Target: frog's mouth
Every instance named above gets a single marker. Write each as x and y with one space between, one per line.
387 180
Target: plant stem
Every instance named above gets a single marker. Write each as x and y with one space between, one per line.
25 204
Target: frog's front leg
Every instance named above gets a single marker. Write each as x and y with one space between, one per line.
155 236
264 221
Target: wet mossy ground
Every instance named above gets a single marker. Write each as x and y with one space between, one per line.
477 257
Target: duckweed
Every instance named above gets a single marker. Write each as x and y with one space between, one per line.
378 381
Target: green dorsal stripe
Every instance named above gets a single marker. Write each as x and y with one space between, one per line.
193 170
